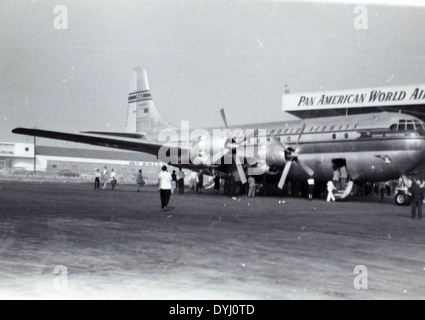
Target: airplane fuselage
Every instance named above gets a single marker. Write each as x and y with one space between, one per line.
374 147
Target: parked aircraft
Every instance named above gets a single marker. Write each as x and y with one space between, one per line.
373 147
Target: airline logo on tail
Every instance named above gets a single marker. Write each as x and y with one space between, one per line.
140 96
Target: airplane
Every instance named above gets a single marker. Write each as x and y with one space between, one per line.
374 147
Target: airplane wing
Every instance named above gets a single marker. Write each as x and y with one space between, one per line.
98 139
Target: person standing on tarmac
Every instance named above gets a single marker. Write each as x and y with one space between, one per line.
113 179
174 176
180 180
417 200
97 179
252 187
311 183
105 178
217 183
140 181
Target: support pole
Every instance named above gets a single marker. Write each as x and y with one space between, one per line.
35 155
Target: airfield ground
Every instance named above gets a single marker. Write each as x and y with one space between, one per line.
120 245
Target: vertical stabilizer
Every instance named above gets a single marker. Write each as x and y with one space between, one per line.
143 117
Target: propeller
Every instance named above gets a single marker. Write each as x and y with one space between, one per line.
232 146
292 156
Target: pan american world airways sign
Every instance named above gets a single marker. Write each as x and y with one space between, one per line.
360 98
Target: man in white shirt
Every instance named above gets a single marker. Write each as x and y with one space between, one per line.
165 187
311 183
331 189
105 178
252 187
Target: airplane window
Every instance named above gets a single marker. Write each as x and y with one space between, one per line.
298 130
332 128
394 127
324 128
402 125
341 127
286 131
419 125
410 126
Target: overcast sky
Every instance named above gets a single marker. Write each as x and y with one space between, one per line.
200 56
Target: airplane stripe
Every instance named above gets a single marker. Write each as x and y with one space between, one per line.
138 92
139 100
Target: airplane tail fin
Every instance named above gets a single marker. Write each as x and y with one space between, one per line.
143 117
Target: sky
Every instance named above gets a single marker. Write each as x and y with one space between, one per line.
200 56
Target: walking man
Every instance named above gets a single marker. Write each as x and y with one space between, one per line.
331 189
165 187
418 198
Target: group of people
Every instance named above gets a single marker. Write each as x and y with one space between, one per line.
178 181
233 188
168 183
104 178
340 177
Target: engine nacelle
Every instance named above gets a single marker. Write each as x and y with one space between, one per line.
276 156
207 147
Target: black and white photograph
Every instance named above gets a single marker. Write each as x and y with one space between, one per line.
220 150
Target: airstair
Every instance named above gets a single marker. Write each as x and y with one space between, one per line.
342 194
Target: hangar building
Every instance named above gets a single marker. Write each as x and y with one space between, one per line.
24 157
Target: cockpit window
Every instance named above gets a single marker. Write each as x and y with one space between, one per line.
419 125
408 125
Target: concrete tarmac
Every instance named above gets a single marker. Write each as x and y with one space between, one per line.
121 245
